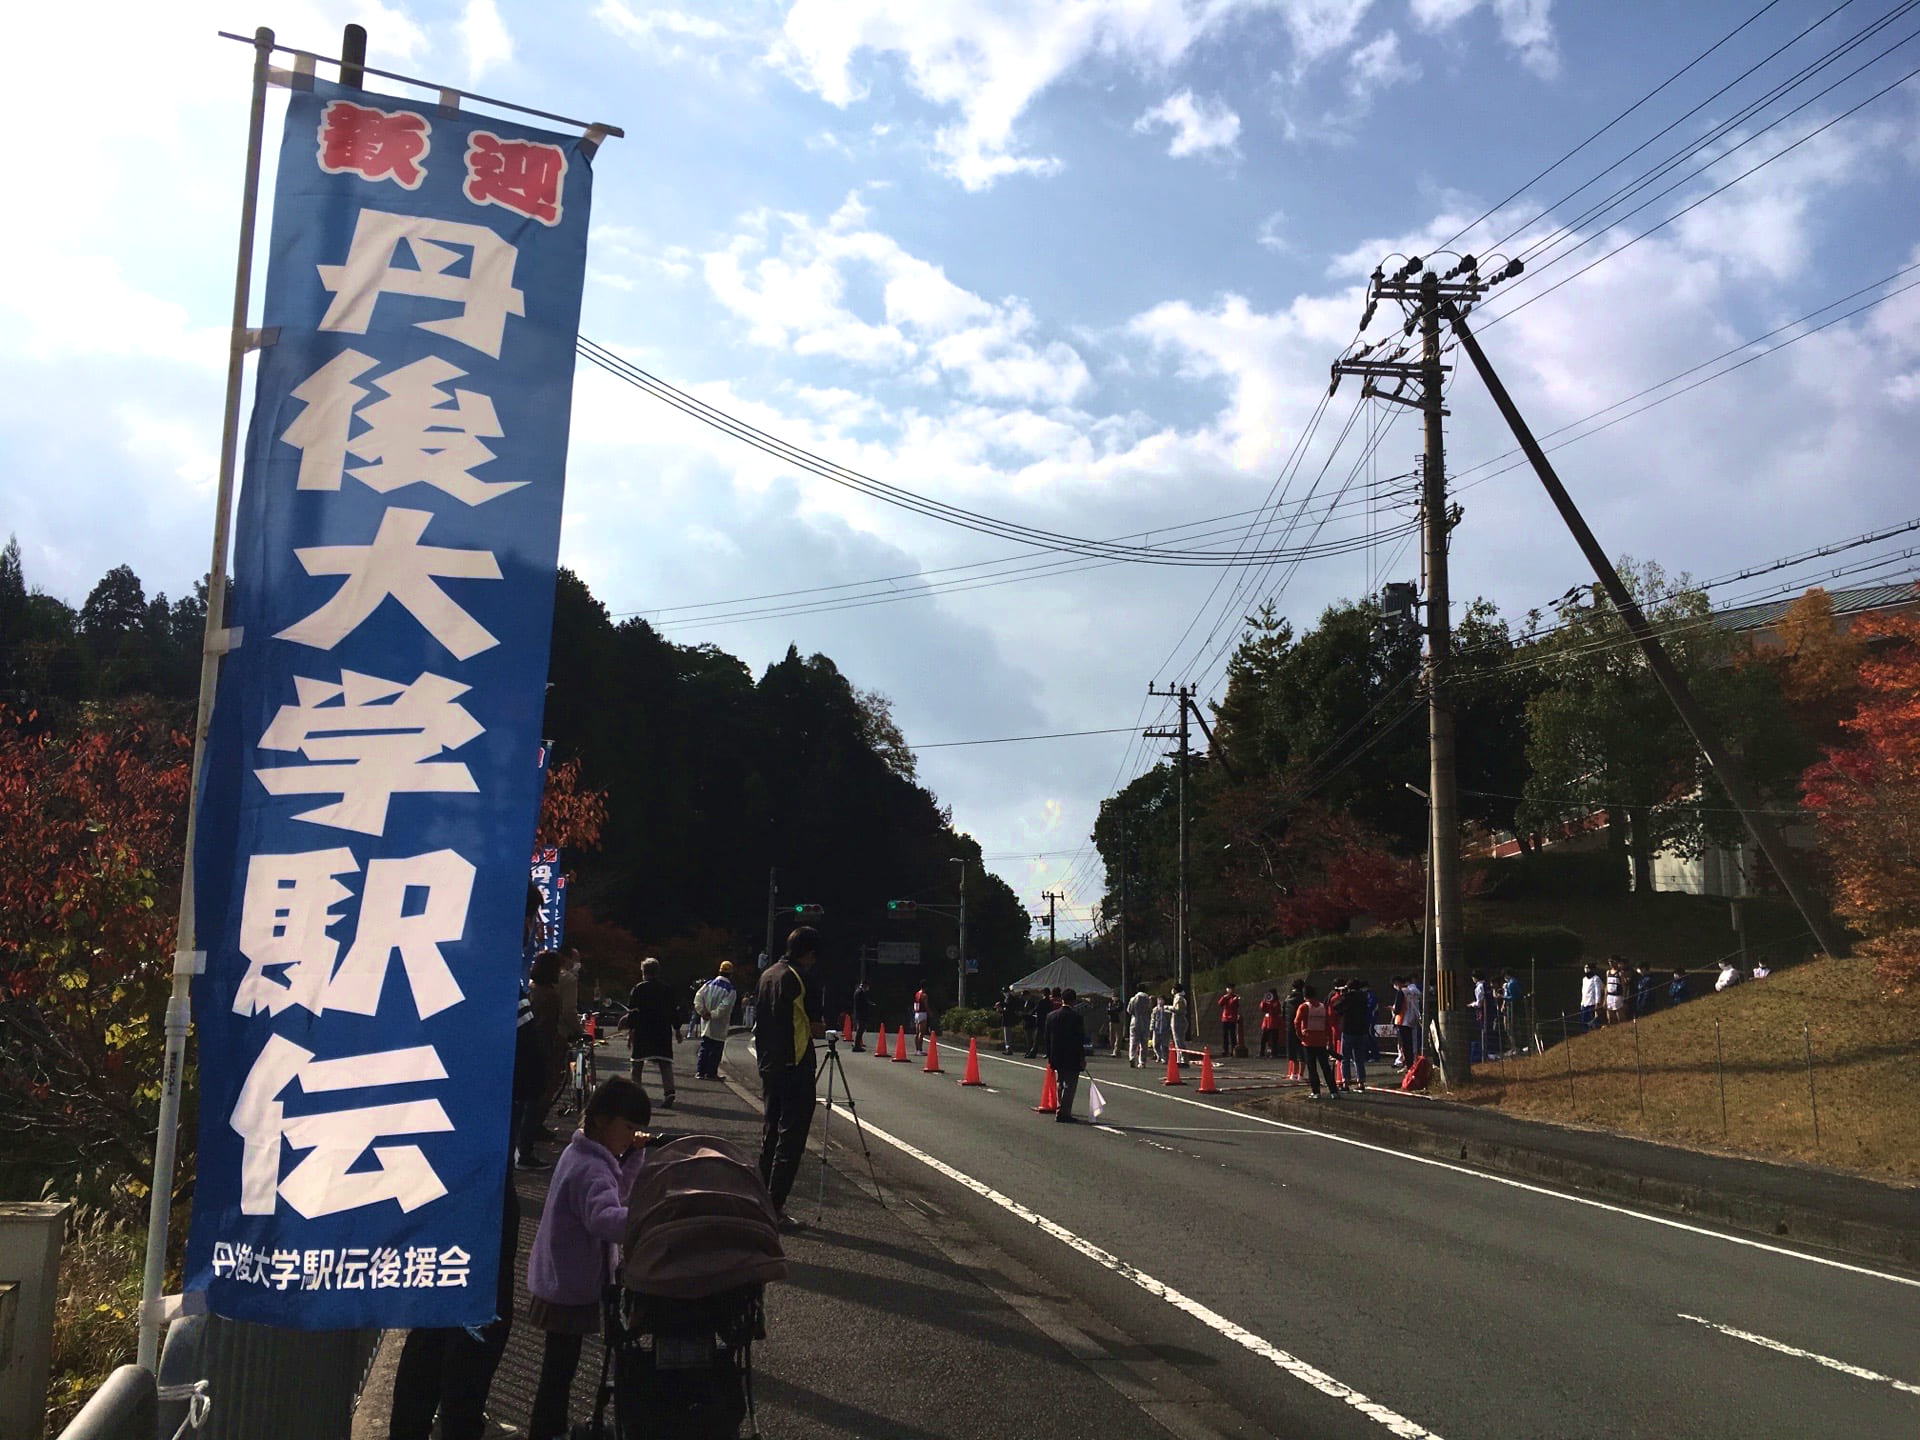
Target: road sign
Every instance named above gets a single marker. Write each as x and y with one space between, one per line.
897 952
953 952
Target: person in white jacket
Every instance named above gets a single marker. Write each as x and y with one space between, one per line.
713 1006
1139 1027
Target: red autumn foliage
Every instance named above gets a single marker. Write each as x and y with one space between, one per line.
571 816
1866 798
92 823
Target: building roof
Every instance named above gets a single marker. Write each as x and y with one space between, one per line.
1857 600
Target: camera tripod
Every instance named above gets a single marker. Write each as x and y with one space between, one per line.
837 1073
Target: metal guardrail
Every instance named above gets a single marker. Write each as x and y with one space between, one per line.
263 1380
127 1407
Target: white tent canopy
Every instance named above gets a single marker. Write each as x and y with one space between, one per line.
1064 974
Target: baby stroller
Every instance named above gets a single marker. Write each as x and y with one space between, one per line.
702 1242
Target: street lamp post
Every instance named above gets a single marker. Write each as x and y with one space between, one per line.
960 980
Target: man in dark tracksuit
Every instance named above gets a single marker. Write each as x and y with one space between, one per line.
1066 1052
1037 1010
862 1015
786 1022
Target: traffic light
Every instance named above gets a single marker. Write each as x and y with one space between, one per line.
901 909
809 912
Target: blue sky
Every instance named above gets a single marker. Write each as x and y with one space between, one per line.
1081 265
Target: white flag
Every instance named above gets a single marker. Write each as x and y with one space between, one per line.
1096 1102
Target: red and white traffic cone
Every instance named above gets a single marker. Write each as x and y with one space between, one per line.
1207 1087
881 1048
1173 1067
972 1076
1049 1095
932 1067
900 1046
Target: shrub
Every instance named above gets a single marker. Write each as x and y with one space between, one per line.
94 1312
965 1020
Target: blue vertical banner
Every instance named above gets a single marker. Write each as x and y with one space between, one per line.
551 881
367 808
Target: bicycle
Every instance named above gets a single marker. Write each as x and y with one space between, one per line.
582 1077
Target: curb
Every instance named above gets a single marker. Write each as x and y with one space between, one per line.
1751 1213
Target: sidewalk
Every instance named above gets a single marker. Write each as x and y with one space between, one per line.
1826 1209
875 1332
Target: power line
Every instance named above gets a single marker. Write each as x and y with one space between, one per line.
897 495
1016 739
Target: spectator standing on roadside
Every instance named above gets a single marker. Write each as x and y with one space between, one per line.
863 1016
1009 1010
1314 1025
1270 1026
1139 1027
1678 990
1356 1023
1617 987
1160 1026
1403 1040
1037 1011
1179 1018
1510 1009
1589 995
1296 1053
1229 1022
543 994
1373 1014
1482 1007
652 1018
1761 970
1116 1022
1729 975
1643 991
786 1022
712 1008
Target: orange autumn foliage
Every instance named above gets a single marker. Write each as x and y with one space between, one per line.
1866 797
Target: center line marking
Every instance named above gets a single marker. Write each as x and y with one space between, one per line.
1393 1422
1511 1183
1858 1372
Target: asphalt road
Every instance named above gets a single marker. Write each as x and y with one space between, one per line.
1322 1287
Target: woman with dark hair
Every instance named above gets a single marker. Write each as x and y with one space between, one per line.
653 1018
543 1044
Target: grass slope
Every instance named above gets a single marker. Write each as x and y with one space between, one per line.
1660 1078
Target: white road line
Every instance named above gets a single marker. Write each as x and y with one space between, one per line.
1394 1423
1511 1183
1858 1372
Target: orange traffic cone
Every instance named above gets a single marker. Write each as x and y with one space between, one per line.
1173 1067
972 1077
1049 1095
900 1046
1207 1087
881 1048
932 1067
846 1028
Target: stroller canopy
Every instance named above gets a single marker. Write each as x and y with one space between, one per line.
699 1222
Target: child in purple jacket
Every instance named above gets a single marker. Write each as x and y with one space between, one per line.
584 1219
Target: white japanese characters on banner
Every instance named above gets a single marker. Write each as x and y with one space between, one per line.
366 806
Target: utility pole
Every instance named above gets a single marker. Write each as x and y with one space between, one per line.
1421 385
1183 945
1126 848
960 983
1050 896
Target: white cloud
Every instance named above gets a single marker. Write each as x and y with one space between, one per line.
485 36
989 63
1272 234
1525 25
1198 126
1376 66
788 278
656 25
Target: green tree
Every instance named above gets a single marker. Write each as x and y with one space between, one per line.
1603 735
